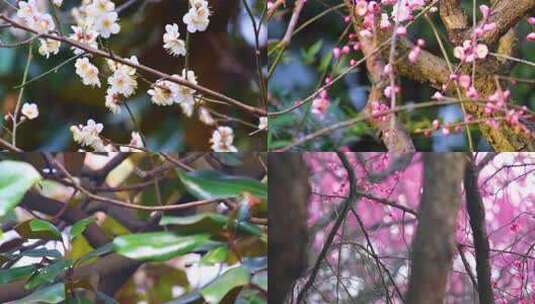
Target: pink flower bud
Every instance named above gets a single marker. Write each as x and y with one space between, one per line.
485 11
465 81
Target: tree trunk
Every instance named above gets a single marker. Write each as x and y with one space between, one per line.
434 242
289 191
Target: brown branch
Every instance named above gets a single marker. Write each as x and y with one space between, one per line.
293 23
353 197
289 192
506 15
454 19
433 69
132 206
147 69
9 146
434 242
476 212
34 201
394 136
111 266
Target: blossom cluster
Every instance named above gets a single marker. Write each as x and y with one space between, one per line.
508 200
99 19
40 21
89 136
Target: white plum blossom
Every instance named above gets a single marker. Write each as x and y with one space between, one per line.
175 46
42 23
402 10
87 71
163 93
222 140
49 46
123 80
38 21
106 24
27 9
99 7
84 35
135 141
205 116
197 18
263 123
57 3
88 135
30 110
112 101
184 94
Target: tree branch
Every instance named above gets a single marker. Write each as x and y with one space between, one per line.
476 212
434 242
394 136
353 197
506 16
161 75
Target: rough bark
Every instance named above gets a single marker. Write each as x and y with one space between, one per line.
433 69
434 242
393 134
289 192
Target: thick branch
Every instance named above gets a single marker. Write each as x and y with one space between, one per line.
476 212
434 242
94 235
454 19
394 136
506 15
289 192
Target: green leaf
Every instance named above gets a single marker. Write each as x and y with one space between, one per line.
79 227
233 278
48 274
103 250
42 252
208 222
52 294
15 179
157 246
212 184
16 273
308 55
215 256
38 229
325 61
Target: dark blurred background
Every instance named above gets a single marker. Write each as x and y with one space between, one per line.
310 56
222 58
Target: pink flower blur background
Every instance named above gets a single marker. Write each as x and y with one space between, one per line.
507 185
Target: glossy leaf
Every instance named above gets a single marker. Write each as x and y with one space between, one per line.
38 229
42 252
15 179
79 227
51 294
212 184
208 222
48 274
231 279
103 250
157 246
216 255
15 273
